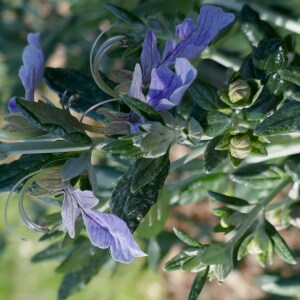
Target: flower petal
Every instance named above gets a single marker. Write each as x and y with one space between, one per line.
12 105
85 199
107 230
32 71
195 38
166 88
135 90
150 57
69 212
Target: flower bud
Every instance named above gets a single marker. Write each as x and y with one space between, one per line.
240 146
239 90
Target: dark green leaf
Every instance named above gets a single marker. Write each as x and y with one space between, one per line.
187 239
74 167
123 14
11 173
255 29
54 251
270 55
74 281
281 248
291 74
284 120
52 235
76 83
217 123
53 120
79 256
198 284
228 200
147 170
124 148
143 110
133 206
206 96
212 157
259 176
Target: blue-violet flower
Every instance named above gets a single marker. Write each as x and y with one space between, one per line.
32 71
104 230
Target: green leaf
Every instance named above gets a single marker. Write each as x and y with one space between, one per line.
286 287
11 173
53 251
153 254
123 14
147 170
78 83
212 157
253 28
228 200
217 123
187 239
281 248
143 110
198 284
79 256
124 148
133 206
206 96
53 120
74 281
284 120
259 176
74 167
217 254
270 55
291 74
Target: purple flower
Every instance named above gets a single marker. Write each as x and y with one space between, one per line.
104 230
32 71
166 87
193 38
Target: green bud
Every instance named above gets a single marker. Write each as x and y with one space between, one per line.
240 146
239 90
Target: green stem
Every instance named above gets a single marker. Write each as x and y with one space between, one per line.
41 147
257 209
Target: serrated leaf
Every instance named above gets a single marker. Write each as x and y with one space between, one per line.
198 284
281 247
147 170
74 281
78 83
187 239
53 120
143 110
284 120
259 176
123 14
217 123
228 200
206 96
291 74
133 206
212 157
124 148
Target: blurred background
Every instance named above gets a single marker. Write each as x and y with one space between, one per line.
68 30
